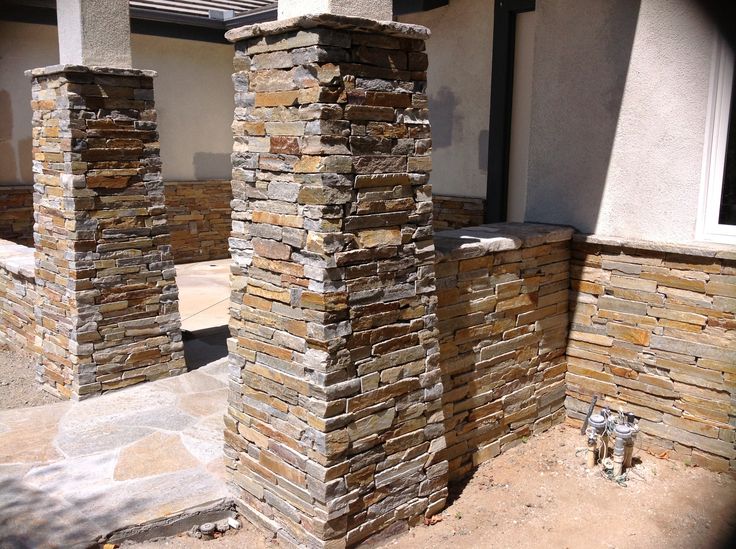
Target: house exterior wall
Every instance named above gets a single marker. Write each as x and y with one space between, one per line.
619 108
459 84
193 96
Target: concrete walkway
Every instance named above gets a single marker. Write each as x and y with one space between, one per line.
72 473
204 292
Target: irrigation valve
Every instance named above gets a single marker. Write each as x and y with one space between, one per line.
608 431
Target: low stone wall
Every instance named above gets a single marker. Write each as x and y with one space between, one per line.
17 297
456 212
503 297
16 214
198 214
653 331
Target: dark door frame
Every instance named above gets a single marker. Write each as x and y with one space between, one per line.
502 82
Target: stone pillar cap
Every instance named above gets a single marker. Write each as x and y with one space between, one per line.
62 68
330 21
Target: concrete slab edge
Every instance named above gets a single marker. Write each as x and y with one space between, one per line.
175 524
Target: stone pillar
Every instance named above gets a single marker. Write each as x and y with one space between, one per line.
335 426
108 309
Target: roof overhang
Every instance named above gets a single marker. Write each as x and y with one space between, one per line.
148 21
175 24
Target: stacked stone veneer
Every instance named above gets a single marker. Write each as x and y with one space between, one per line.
456 212
17 297
335 418
16 214
198 215
654 332
503 318
107 309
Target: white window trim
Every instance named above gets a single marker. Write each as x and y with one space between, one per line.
714 156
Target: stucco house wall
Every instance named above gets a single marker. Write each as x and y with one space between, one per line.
619 108
194 100
459 86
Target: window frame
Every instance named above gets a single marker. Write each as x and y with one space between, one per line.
716 140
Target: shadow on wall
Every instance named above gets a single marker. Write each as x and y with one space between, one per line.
211 165
25 159
7 152
442 107
483 137
578 91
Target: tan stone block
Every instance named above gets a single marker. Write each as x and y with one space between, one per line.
637 336
524 301
584 286
379 237
592 373
726 289
673 281
381 180
277 98
585 384
710 462
594 339
720 366
633 283
271 249
679 316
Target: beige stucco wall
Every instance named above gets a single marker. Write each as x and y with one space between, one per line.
619 107
22 47
194 98
373 9
459 93
94 33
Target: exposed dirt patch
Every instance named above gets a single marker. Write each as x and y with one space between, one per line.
18 385
540 494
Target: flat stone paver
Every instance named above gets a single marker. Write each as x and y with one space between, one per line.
71 473
204 292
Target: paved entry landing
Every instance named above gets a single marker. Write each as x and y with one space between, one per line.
74 472
204 293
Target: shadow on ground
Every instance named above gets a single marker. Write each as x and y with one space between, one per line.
204 346
60 525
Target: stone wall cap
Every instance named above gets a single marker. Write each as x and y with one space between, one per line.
481 240
60 69
17 259
697 249
15 187
330 21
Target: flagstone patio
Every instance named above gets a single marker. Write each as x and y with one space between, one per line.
75 473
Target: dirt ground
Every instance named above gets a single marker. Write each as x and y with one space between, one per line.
539 494
18 386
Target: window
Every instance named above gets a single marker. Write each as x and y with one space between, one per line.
717 219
